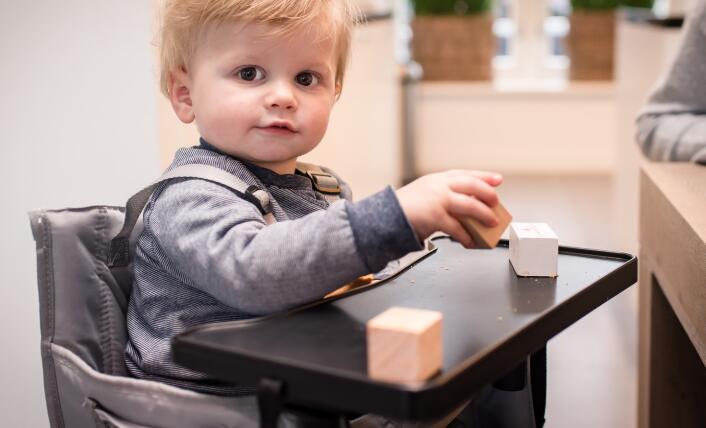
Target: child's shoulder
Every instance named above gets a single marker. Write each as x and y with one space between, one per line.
198 191
200 156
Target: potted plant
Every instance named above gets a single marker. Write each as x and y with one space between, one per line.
591 39
453 39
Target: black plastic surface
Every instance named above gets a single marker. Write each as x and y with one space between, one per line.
492 321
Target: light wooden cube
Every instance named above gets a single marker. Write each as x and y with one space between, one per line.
534 249
487 237
404 344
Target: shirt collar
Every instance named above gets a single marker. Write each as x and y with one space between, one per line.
266 176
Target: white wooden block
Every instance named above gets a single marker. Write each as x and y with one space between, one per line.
534 249
404 345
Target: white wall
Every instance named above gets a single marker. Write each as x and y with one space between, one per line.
78 121
472 125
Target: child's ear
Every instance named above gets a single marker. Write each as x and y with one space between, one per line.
337 91
180 95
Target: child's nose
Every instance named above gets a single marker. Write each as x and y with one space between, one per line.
281 97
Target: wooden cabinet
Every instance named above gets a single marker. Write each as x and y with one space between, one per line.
672 376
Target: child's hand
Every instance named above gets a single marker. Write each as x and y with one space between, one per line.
436 201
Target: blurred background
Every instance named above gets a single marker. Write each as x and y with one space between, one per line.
543 91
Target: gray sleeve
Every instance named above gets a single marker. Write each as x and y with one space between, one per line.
672 126
221 243
673 137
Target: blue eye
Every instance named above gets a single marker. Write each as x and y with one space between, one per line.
251 73
306 79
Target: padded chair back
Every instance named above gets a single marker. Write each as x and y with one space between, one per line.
83 311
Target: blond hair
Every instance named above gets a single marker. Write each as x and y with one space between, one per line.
183 23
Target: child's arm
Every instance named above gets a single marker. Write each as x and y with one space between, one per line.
221 245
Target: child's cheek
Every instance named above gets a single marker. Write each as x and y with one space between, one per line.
237 112
323 116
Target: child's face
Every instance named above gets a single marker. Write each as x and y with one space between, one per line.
263 99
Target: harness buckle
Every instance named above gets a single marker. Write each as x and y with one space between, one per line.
324 182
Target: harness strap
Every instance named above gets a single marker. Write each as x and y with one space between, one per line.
119 255
324 182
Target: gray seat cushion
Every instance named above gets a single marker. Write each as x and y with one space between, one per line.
82 311
82 306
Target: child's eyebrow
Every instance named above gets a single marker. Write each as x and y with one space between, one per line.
320 65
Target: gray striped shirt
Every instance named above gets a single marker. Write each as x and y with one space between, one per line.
672 126
206 255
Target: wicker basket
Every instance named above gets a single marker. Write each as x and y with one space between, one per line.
590 45
454 47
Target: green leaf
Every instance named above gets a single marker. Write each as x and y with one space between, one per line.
645 4
451 7
594 4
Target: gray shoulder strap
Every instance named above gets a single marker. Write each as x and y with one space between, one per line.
323 182
120 245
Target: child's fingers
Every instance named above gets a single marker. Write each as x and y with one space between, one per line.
467 206
492 178
452 226
472 186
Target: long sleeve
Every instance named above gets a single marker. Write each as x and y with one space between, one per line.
672 126
673 137
221 245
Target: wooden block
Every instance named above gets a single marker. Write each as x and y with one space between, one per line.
488 237
357 283
534 249
404 345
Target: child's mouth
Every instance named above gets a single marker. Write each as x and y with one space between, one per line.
280 129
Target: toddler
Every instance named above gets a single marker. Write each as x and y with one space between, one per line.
259 79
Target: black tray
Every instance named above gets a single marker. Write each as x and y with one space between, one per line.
492 321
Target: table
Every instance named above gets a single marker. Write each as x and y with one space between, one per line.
672 338
492 321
